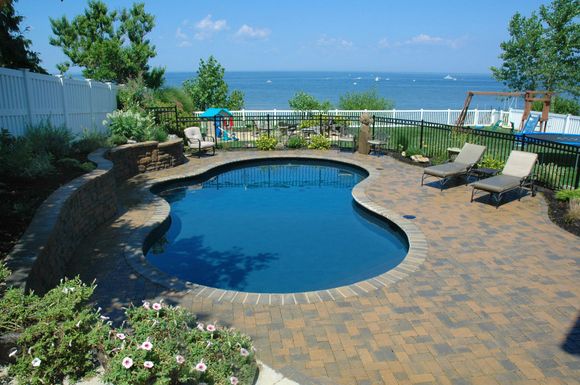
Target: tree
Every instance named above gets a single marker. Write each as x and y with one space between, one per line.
14 47
368 100
303 101
543 50
209 88
109 45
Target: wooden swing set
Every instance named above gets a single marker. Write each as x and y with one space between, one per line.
529 97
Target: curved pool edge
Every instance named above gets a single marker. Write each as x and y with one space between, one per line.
135 257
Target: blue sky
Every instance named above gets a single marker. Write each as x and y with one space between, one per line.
389 36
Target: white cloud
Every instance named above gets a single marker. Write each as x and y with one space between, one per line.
384 43
333 42
423 39
206 27
247 32
182 38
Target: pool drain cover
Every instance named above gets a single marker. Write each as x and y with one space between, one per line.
409 216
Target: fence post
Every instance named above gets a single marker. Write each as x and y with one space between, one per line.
421 135
448 116
567 124
268 123
320 122
176 118
373 133
91 102
63 97
476 117
421 114
523 142
577 169
244 115
28 92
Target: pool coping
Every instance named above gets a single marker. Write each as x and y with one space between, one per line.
133 248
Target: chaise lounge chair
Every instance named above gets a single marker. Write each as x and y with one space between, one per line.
470 154
516 174
197 142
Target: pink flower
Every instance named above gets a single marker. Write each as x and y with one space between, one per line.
156 306
36 362
146 305
234 380
127 362
244 352
201 367
148 364
210 328
120 336
200 326
180 359
147 345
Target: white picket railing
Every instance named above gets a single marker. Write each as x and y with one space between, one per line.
557 123
27 98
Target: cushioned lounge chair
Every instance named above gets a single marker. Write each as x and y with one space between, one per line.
197 142
516 174
470 154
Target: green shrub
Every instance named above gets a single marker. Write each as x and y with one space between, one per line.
130 124
366 100
88 166
266 143
164 345
319 142
69 163
489 162
38 166
90 141
296 142
568 195
156 133
44 137
134 94
413 151
116 140
59 332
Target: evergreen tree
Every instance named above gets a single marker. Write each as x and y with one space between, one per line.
14 47
109 45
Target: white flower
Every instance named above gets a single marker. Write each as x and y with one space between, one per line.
148 364
244 352
200 326
201 367
146 305
36 362
120 336
210 328
234 380
179 359
156 306
147 345
127 362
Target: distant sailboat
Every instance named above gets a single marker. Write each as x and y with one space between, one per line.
355 83
449 77
268 81
377 79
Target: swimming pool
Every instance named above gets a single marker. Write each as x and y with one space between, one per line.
275 226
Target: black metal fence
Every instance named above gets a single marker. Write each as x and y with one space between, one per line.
558 164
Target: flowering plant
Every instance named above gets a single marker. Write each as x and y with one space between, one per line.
165 345
58 333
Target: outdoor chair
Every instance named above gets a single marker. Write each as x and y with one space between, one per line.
379 143
469 155
346 137
516 174
199 142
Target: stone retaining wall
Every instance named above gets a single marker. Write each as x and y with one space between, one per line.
137 158
39 259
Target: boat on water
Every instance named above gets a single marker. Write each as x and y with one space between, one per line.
449 77
377 79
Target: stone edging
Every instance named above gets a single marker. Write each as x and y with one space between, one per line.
39 258
136 259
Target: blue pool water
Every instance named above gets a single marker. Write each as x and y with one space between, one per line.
276 227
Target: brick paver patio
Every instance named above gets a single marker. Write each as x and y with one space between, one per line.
497 300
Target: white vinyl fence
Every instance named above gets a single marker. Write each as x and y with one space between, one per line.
28 98
568 124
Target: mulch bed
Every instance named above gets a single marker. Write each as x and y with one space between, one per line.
19 200
557 211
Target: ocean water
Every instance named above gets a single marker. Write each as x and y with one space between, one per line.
269 90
